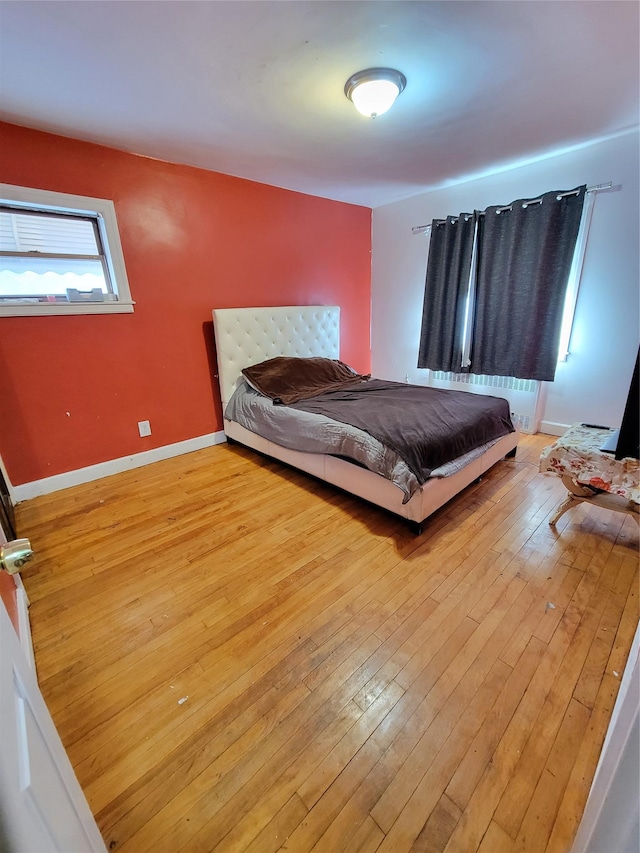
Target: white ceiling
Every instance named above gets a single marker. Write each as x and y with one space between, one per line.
255 89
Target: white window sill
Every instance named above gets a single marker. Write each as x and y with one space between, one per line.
48 309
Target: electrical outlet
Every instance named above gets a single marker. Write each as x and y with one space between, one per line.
144 428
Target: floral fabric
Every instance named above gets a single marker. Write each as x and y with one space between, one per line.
577 454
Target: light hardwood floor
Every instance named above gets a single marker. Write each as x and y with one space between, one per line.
300 672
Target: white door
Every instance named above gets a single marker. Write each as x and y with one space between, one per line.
42 807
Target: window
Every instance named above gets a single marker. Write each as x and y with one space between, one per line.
575 274
59 254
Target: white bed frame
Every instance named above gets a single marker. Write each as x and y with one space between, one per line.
247 336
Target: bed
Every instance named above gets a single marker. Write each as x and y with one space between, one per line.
248 336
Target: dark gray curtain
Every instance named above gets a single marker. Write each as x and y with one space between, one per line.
447 285
524 258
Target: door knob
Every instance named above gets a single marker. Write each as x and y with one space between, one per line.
14 554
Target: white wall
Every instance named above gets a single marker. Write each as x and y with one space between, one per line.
592 385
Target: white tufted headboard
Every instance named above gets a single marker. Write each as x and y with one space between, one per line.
247 336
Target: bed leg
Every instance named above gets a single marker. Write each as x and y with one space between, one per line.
415 527
512 453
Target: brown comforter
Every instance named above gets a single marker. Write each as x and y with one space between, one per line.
427 427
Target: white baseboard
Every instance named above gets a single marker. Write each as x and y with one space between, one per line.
114 466
551 428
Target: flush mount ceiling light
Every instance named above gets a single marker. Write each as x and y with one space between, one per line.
373 91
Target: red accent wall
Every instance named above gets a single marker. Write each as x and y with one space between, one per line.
72 389
8 594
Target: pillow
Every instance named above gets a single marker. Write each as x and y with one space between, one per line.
286 379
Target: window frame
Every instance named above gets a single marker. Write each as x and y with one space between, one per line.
103 212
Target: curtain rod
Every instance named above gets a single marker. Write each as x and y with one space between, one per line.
423 229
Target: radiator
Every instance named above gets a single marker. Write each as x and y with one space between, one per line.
525 396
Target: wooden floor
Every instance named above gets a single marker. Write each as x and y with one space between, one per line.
300 672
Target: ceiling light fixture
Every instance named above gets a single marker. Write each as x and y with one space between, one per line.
374 91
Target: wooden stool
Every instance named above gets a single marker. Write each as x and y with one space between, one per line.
592 475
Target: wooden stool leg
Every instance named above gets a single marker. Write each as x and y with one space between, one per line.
567 503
